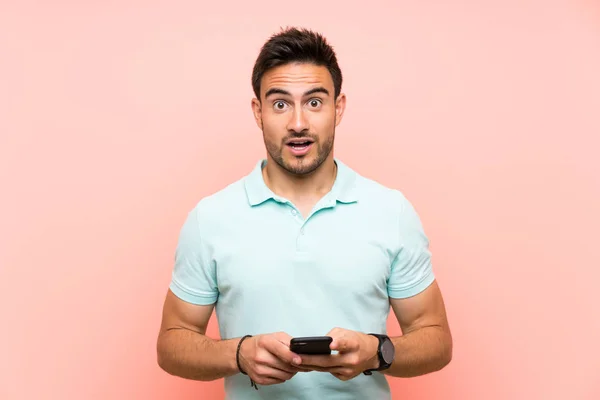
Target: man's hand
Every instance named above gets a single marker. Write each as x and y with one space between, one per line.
267 359
357 352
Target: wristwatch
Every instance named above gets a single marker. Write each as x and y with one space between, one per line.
385 353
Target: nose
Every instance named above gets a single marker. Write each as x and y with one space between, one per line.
298 121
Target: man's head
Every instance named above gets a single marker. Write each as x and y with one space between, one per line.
298 104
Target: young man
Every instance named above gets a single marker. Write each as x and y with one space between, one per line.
302 246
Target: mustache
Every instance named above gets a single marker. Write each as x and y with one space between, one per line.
300 135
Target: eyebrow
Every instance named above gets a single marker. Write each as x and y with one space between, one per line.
319 89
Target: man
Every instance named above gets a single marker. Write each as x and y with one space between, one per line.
302 246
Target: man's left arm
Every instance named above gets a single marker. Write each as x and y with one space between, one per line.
426 342
415 297
424 347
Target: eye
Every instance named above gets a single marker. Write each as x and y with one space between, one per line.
279 105
314 103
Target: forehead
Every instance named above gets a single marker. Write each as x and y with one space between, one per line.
296 78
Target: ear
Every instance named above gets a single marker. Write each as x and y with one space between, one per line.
257 110
340 106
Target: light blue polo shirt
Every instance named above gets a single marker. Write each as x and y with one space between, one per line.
269 269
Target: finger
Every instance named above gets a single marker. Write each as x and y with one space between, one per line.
308 369
327 361
267 381
345 371
313 368
335 332
273 361
342 377
334 370
267 372
282 351
344 344
283 338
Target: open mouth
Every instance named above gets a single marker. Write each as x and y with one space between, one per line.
300 145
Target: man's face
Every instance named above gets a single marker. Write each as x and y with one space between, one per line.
298 114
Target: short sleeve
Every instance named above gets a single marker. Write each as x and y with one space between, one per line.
194 276
411 271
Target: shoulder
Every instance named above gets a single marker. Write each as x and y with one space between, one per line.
376 194
218 205
386 203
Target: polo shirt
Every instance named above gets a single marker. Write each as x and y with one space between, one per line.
269 269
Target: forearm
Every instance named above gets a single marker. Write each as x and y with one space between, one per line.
191 355
420 352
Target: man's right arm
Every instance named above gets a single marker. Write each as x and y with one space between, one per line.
184 350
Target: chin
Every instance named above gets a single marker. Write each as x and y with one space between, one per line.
301 166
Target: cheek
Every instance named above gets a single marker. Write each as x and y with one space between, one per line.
323 122
272 135
273 128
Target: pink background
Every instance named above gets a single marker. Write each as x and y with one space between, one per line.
116 117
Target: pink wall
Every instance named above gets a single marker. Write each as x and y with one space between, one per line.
115 118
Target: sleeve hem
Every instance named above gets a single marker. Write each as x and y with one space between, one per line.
194 298
414 289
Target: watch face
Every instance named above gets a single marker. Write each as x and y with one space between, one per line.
387 351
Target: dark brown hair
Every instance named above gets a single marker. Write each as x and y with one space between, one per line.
293 45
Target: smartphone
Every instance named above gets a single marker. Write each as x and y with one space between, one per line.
311 345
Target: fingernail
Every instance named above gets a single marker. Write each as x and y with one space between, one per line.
297 360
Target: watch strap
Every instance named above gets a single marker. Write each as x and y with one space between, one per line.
382 364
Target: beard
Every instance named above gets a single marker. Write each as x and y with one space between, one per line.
301 165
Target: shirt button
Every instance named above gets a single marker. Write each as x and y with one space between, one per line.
302 231
294 212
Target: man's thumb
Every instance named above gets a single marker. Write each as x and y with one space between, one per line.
338 344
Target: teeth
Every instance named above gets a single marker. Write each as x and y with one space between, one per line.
299 146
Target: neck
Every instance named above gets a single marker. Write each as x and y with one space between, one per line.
305 187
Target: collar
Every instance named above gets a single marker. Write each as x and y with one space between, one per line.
343 189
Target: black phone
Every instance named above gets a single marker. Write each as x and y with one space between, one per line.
311 345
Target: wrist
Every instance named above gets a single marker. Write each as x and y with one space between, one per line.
239 360
239 364
373 361
385 353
